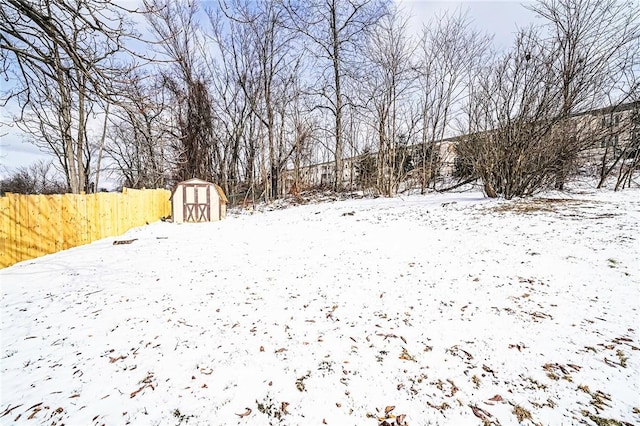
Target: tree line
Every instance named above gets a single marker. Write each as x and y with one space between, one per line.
245 93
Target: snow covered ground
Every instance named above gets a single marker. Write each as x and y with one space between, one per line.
443 309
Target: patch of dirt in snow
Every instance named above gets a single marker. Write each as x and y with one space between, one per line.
306 197
536 205
444 309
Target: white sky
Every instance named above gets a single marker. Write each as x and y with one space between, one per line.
501 18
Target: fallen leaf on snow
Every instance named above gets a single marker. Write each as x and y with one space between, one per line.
441 407
35 411
118 358
480 413
406 356
493 400
9 410
34 406
245 414
488 370
120 242
134 393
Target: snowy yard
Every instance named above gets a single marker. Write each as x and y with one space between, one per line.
426 310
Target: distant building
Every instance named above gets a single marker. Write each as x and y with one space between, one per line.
612 128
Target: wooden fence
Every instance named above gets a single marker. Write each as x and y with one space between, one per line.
35 225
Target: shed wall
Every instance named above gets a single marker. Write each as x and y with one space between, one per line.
197 192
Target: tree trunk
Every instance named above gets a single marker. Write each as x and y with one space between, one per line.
102 138
336 74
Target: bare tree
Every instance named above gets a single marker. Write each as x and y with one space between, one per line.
40 39
61 55
234 152
175 23
261 46
58 125
138 136
38 178
303 130
618 133
450 57
514 108
388 85
615 132
594 43
526 133
337 31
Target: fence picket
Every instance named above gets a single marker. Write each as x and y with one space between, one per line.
35 225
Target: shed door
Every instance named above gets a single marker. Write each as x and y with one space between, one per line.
197 201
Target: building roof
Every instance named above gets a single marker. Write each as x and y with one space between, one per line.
197 181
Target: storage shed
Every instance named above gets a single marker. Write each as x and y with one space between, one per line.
196 200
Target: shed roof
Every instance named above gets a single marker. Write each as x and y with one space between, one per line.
197 181
221 193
